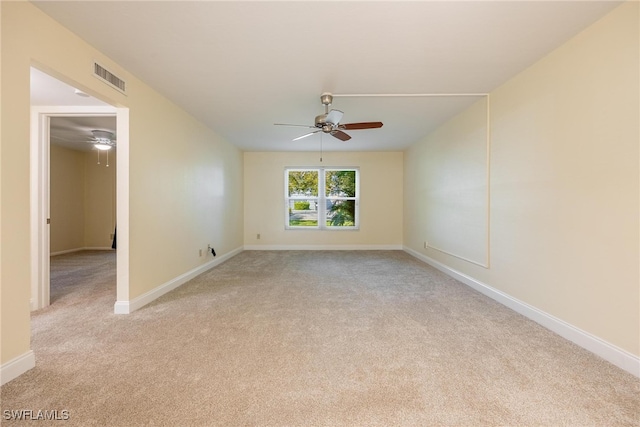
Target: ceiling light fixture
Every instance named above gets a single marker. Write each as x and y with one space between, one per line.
103 137
81 93
103 141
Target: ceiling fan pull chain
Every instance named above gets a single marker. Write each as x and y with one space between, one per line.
107 159
98 156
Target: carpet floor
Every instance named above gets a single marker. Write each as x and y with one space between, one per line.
306 338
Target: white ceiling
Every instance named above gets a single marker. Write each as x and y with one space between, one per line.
242 66
76 132
68 131
46 90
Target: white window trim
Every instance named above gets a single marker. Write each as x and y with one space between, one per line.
321 199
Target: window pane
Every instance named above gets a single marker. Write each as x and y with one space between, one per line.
341 213
340 183
303 213
303 183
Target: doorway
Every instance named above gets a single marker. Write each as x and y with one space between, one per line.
82 183
82 200
46 121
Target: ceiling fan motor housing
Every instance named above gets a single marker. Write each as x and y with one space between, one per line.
324 125
321 120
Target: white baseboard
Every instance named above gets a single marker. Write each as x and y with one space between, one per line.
605 350
126 307
68 251
17 366
323 247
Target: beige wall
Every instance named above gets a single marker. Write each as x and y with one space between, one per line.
99 199
449 191
185 182
66 194
380 200
564 184
82 199
186 193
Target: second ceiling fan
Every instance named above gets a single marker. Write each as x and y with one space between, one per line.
329 122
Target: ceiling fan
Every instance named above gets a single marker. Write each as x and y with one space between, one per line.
329 122
102 139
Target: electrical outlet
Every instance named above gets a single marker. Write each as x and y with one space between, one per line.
258 236
200 252
426 244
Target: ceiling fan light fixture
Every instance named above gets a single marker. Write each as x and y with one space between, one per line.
103 135
103 140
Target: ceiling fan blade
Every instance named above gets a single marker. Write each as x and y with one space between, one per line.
364 125
334 117
305 135
300 126
340 135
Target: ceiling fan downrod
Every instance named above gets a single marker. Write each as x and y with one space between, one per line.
321 121
326 99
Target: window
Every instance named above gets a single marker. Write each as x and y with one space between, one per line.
322 198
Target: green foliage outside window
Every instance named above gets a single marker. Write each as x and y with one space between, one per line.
340 183
342 213
303 183
301 206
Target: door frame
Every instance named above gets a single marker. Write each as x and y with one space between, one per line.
40 188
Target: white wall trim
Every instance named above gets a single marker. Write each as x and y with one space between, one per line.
17 366
127 307
323 247
122 204
39 187
609 352
68 251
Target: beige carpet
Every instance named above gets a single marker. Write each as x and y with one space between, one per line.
328 338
